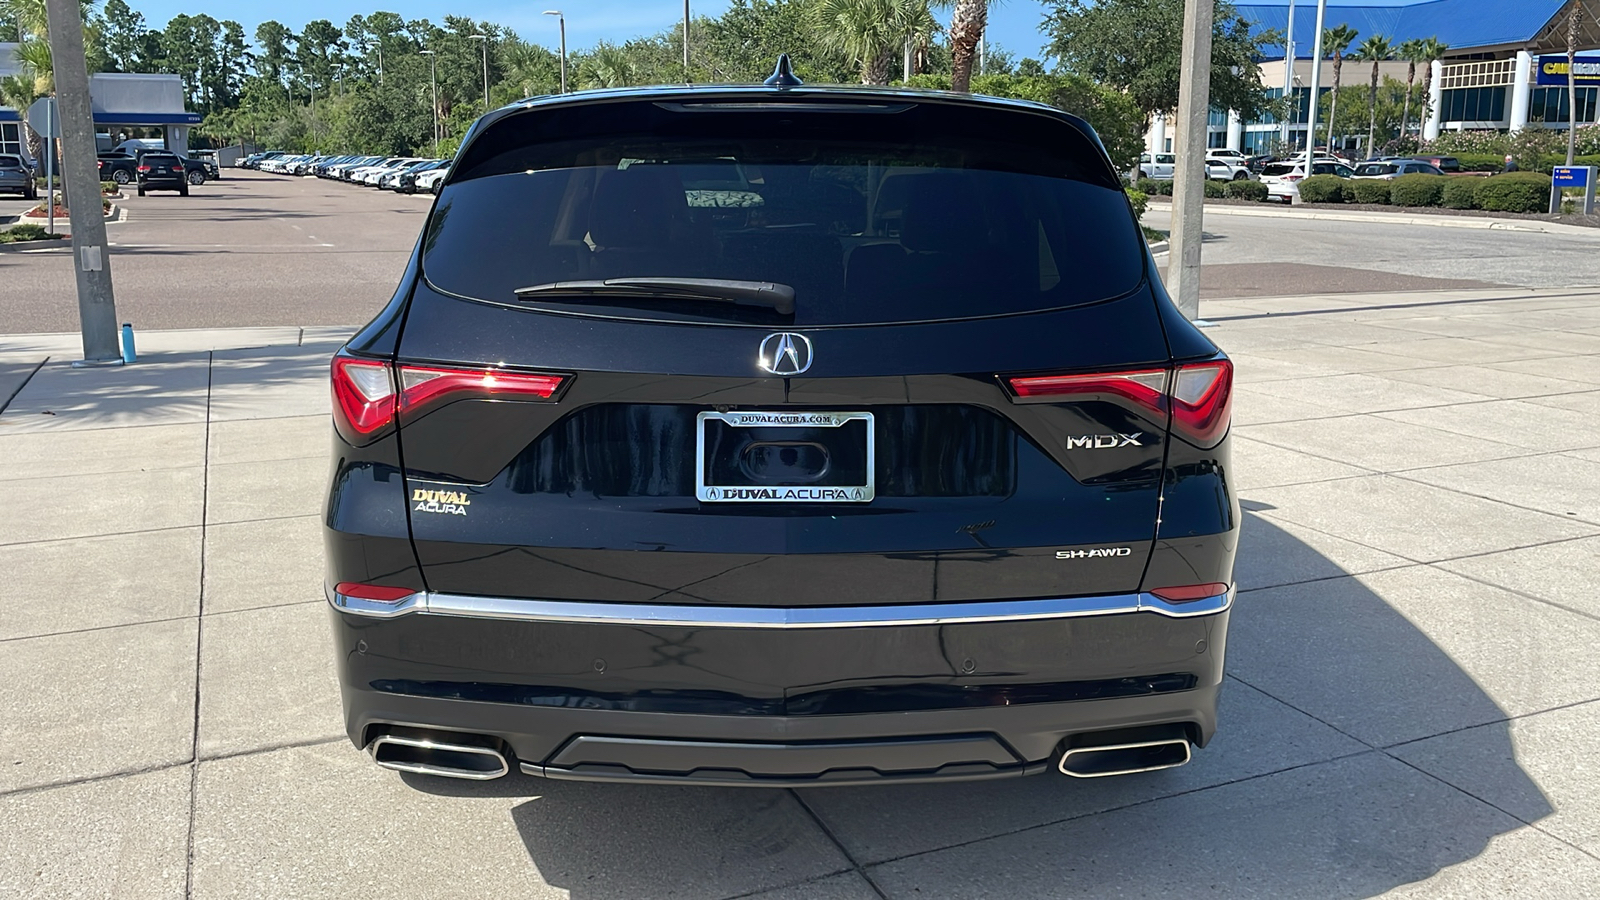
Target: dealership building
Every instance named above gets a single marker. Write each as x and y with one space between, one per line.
124 106
1505 68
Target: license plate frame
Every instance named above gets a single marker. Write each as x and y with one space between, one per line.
829 494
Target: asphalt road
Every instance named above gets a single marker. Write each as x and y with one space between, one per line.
1247 256
257 249
251 249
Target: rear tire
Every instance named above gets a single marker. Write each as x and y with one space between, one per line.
121 177
141 190
197 178
183 191
1241 176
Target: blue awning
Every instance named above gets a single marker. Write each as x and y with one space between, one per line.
146 118
9 115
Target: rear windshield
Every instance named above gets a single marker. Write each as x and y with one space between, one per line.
1278 169
10 162
886 217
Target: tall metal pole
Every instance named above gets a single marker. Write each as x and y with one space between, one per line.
686 41
1188 194
1316 88
1288 78
1573 17
433 75
563 22
97 309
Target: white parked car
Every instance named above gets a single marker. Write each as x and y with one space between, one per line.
1226 155
1227 168
1282 178
427 182
1159 166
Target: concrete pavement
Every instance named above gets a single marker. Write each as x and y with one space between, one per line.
1411 707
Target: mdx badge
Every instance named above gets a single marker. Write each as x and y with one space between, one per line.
785 353
1103 441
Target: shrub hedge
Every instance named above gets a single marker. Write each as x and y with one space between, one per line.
1140 202
1417 190
1522 192
1322 189
1370 190
1215 189
1164 188
24 232
1246 190
1146 186
1461 193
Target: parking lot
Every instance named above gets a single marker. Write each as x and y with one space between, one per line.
250 249
1410 709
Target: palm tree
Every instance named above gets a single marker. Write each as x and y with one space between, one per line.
608 65
1411 51
1375 50
1432 51
1335 41
967 23
869 32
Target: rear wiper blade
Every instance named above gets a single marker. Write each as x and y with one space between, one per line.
766 294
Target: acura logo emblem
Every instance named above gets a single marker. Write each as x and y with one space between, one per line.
785 353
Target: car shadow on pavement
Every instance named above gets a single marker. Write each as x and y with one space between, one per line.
1306 790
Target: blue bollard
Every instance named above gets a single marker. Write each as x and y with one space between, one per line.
128 355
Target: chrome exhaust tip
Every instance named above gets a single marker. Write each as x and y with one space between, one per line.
1097 755
438 755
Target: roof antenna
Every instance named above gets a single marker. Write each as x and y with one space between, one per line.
783 74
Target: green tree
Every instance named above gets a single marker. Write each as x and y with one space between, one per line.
1430 52
1335 41
1136 45
1375 49
868 32
745 42
274 38
124 35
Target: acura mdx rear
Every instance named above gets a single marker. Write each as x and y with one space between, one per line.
780 436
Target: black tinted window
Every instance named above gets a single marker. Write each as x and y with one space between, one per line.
866 228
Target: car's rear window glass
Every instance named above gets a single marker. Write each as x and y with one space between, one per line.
1277 170
869 218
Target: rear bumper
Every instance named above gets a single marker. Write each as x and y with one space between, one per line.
779 704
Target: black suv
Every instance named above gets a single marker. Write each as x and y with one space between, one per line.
780 436
162 171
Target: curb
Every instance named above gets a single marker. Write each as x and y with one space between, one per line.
1160 247
41 244
1479 222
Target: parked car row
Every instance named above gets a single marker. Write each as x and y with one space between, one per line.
123 167
1221 165
406 174
1281 178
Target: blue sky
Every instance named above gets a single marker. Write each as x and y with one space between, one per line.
1014 24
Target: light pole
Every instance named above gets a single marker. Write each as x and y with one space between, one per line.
433 75
685 41
1288 78
1316 89
563 20
485 39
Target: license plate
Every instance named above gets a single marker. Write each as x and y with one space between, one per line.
784 457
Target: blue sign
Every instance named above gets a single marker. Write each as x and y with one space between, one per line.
1553 71
1571 176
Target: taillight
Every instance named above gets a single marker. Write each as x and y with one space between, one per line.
144 168
177 168
366 401
363 397
1293 177
1198 396
1202 401
1188 593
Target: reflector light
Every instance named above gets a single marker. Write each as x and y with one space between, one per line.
380 593
1189 592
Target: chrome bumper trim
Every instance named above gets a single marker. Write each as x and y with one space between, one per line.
583 612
